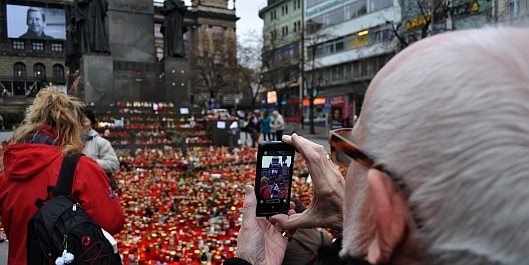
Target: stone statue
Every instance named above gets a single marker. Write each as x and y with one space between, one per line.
91 29
173 28
71 50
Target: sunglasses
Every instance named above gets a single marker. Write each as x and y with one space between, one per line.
343 152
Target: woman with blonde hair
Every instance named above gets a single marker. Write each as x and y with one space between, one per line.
51 131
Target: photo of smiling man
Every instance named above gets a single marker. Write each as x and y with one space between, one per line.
36 22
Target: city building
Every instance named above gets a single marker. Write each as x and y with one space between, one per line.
418 21
211 48
32 49
135 62
348 41
282 56
511 12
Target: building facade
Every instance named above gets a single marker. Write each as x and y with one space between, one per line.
30 62
511 12
211 48
282 56
349 42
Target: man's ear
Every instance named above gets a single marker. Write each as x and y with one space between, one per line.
390 213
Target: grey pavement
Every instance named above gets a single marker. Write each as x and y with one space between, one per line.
4 135
3 253
320 137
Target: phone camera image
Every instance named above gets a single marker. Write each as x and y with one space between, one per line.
273 180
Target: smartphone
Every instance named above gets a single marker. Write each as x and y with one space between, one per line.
273 179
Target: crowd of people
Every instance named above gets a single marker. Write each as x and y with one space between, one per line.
436 164
270 126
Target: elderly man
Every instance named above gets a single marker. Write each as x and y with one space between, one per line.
441 162
36 21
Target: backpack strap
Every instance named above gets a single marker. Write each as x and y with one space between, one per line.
64 183
66 175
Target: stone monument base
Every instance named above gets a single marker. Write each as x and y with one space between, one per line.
97 79
177 85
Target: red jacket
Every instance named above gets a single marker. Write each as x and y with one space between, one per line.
28 170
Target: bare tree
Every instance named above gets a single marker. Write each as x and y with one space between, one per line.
314 37
280 63
213 65
250 65
417 14
420 16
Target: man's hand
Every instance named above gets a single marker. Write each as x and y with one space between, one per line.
259 242
325 210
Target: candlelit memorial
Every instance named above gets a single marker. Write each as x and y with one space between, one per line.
182 202
187 208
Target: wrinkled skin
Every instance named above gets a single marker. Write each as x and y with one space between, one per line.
325 210
260 241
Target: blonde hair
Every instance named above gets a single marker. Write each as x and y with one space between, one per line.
61 112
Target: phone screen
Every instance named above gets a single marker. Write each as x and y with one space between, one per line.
274 177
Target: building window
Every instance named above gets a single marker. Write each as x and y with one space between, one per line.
18 45
334 17
58 73
159 53
217 32
19 70
273 34
284 31
284 10
355 9
217 57
38 46
362 38
157 28
273 15
314 2
297 26
376 5
514 8
296 4
56 47
39 71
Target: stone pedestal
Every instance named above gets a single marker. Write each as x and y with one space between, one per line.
131 30
177 85
97 79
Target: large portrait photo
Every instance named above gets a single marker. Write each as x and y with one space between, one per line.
31 22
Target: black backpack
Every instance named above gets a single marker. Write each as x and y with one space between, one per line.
61 226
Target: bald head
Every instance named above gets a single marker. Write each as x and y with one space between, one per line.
450 115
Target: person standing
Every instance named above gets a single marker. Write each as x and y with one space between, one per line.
277 124
264 191
265 128
50 132
337 120
99 148
254 128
